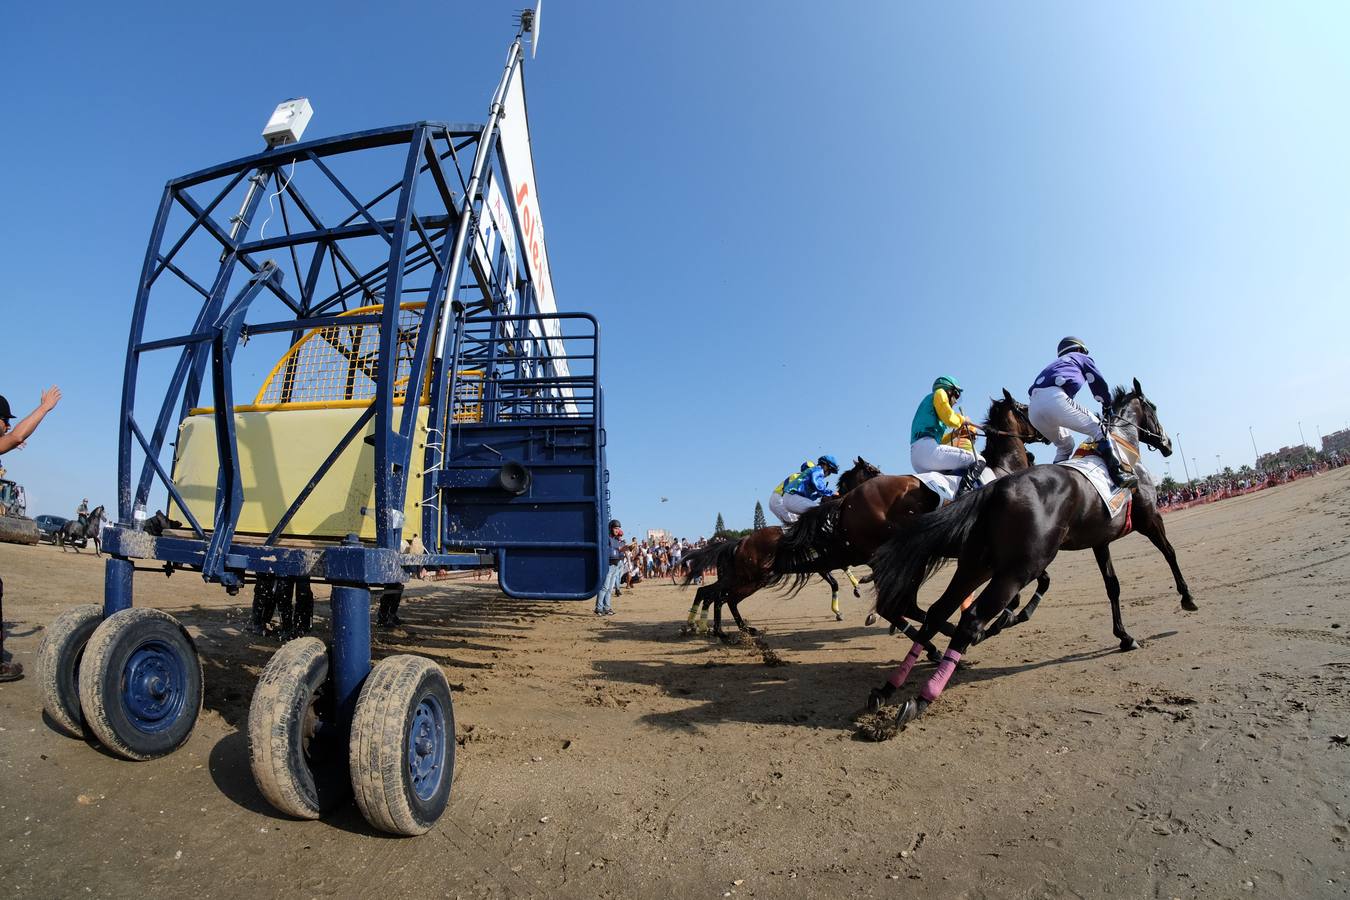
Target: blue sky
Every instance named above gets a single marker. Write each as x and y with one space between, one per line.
789 217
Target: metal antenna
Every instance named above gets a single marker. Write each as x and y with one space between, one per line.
528 19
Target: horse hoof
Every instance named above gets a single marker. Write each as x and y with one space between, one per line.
876 699
1128 644
910 711
1189 605
934 656
857 594
839 617
753 632
871 619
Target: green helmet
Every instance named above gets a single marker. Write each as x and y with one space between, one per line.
947 384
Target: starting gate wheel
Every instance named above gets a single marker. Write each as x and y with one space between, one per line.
299 769
403 745
141 683
58 666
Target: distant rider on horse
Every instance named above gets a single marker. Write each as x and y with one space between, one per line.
1055 414
776 498
934 449
802 490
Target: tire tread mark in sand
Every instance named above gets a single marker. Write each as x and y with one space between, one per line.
487 861
1307 634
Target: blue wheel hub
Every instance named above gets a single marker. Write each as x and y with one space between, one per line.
154 687
426 748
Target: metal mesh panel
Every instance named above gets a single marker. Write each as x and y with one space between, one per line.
336 365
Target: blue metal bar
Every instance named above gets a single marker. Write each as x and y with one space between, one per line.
130 370
164 477
361 210
331 146
392 450
184 276
357 428
229 483
197 219
117 585
350 605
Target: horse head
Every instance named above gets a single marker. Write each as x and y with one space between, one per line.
862 471
1139 411
1011 415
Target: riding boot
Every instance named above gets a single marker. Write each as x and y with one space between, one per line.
971 479
1120 472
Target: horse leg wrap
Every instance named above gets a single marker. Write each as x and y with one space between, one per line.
902 671
933 689
834 605
852 579
693 612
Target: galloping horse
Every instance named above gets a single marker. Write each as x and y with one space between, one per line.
747 564
850 531
87 528
1010 530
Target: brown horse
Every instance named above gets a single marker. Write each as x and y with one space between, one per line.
849 531
1005 533
747 564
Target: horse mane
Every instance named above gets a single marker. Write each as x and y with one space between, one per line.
1121 396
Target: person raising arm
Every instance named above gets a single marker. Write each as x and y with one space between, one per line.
12 436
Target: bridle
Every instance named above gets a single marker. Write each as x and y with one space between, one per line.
1145 434
999 432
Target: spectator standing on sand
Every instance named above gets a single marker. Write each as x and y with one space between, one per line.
602 599
11 437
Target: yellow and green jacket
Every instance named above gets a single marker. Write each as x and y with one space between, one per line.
934 416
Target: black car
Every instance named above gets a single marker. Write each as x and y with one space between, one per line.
48 526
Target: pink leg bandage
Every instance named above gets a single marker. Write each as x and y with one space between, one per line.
935 685
901 671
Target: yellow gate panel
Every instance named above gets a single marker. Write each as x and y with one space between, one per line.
279 451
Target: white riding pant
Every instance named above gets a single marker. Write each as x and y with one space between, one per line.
776 507
927 455
1058 417
794 505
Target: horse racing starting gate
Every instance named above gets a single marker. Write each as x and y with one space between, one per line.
345 364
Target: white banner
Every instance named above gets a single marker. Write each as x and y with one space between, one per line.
515 142
494 232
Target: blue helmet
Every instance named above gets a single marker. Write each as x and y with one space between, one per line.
828 460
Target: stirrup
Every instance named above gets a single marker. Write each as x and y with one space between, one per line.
970 480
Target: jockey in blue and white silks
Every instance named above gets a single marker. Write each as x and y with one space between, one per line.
931 448
802 490
1056 415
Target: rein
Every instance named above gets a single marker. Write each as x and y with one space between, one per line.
1116 420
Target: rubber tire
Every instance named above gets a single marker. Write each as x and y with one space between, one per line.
277 719
58 666
106 655
379 744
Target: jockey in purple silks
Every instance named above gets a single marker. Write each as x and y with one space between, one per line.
1055 414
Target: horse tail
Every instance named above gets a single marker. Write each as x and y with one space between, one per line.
706 558
922 546
800 546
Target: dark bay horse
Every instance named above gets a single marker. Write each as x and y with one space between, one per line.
87 529
1007 532
747 564
849 531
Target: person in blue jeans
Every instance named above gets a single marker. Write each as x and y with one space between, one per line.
610 587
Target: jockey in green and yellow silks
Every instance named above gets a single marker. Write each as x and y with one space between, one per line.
930 445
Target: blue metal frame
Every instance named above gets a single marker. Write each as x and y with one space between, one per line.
547 538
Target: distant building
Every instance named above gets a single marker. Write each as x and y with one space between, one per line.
660 535
1337 440
1285 456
